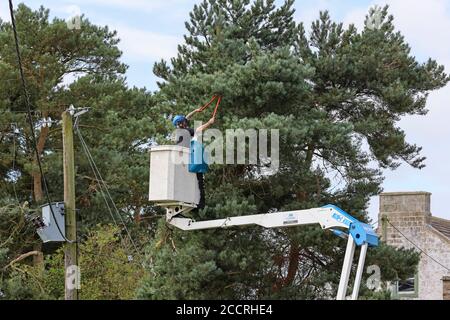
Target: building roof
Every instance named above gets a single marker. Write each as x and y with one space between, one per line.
441 225
406 193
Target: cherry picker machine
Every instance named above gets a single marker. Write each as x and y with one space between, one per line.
174 188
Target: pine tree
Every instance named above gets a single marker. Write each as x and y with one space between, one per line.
336 96
51 52
62 67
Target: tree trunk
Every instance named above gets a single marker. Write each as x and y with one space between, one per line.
293 263
294 251
309 155
37 178
137 215
294 255
38 193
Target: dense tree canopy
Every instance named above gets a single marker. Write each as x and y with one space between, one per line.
336 95
66 67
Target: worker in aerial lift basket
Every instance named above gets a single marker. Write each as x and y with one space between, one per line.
188 137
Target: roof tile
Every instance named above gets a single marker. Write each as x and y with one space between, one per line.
441 225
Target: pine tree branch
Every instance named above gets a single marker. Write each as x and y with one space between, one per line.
21 257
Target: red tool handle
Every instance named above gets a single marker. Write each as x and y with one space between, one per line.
219 99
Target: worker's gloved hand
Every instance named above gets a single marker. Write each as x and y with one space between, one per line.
211 121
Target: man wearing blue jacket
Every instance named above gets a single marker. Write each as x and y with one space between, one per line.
183 136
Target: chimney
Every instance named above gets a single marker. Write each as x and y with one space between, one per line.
407 211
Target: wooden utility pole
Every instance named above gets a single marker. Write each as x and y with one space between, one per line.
71 263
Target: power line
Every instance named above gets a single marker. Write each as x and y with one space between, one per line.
418 248
29 113
102 184
30 117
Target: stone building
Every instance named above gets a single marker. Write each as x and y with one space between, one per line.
409 217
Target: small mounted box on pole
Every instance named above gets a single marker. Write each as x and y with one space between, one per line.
48 229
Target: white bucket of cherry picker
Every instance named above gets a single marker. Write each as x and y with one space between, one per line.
170 179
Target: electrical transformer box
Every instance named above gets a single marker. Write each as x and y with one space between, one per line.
49 231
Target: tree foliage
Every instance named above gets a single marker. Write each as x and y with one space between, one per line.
66 67
107 272
17 237
336 94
